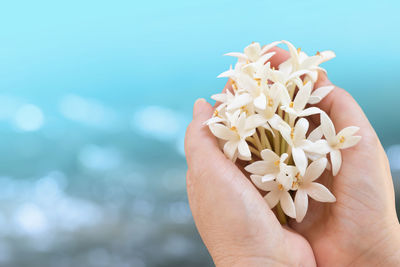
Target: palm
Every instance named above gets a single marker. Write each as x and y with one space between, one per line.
362 197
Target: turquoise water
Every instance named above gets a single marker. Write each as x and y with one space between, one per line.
95 97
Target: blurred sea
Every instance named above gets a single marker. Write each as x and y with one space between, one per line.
95 97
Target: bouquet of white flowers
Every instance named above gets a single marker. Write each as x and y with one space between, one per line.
263 120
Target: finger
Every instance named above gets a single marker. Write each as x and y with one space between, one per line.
281 55
226 207
198 140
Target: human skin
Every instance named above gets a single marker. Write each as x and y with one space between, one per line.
239 229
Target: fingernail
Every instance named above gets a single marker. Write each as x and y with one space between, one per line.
199 106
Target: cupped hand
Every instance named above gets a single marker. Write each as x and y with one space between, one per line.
234 221
361 228
239 229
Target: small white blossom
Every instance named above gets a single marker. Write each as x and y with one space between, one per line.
306 186
344 139
270 168
279 193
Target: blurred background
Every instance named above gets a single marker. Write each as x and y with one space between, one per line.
95 97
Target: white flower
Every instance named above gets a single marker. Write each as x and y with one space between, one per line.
272 98
279 193
306 186
296 138
235 135
219 115
270 168
301 61
253 52
344 139
296 107
319 147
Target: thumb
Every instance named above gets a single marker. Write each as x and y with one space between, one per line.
226 207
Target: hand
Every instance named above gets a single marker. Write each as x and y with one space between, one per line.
238 228
361 228
234 221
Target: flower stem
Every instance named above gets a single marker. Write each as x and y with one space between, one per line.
255 151
281 215
277 145
264 138
258 142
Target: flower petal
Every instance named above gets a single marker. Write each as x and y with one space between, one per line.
254 121
230 149
348 131
336 159
269 155
315 170
320 93
301 204
219 97
300 159
300 130
227 74
319 192
350 141
266 57
268 178
260 101
241 123
213 120
267 47
252 51
244 149
316 134
236 54
265 186
272 198
326 55
239 101
302 97
309 111
327 127
223 132
258 168
287 204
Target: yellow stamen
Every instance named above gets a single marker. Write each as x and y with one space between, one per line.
318 53
244 109
280 187
342 139
277 162
298 50
270 102
292 133
233 128
216 113
291 104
